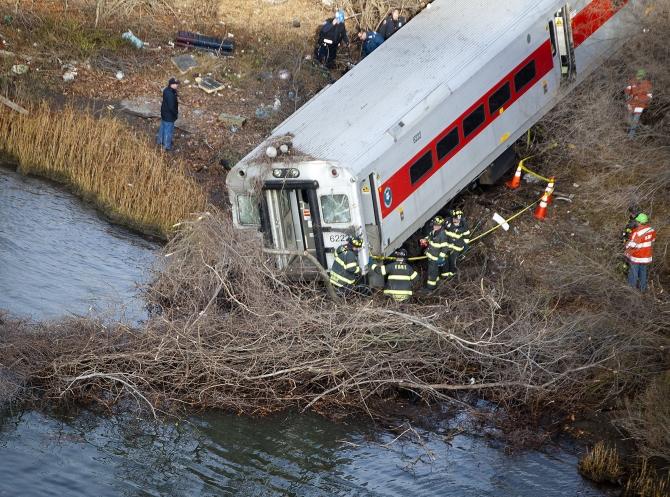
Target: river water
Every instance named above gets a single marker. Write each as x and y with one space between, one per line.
58 257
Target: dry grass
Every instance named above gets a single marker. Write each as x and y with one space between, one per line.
103 161
601 464
648 482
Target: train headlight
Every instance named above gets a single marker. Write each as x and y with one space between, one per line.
293 173
279 173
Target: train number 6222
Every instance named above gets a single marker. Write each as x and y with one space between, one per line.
338 237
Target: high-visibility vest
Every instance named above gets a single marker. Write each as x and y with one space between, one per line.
639 95
399 277
639 247
345 270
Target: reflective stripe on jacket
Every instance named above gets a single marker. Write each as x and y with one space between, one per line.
345 270
639 248
399 277
437 243
639 95
457 236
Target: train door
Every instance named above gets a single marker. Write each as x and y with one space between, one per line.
291 222
562 44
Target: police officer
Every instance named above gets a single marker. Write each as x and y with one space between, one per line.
346 270
370 40
458 235
435 243
331 34
391 24
399 276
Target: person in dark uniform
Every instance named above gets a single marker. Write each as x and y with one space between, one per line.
370 40
398 275
332 33
346 270
458 234
435 244
391 24
633 212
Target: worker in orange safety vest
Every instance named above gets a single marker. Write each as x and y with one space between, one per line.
638 95
639 252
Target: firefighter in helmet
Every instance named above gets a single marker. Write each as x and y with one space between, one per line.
346 270
398 276
435 243
458 234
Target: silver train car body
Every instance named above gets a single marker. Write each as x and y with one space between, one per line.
380 151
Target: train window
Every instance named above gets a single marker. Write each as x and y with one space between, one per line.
447 144
552 37
335 209
473 120
421 167
247 211
499 98
524 76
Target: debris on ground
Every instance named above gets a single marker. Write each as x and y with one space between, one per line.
232 120
150 108
224 46
263 112
209 84
284 74
132 39
184 62
70 72
19 69
12 105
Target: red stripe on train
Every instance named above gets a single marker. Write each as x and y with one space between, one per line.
592 17
399 187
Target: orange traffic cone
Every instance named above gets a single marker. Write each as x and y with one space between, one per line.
515 182
541 210
550 189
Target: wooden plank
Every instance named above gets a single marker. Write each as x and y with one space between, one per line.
13 106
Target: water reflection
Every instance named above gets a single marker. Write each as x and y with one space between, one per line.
58 257
287 455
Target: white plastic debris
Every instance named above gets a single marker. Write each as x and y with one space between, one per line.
501 221
69 76
119 75
283 148
276 105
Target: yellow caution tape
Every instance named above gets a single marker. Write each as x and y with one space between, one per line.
533 173
478 237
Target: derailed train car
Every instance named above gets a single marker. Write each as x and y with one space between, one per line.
433 109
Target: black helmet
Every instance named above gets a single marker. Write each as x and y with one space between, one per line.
400 253
355 241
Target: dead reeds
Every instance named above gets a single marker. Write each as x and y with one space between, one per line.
601 464
105 162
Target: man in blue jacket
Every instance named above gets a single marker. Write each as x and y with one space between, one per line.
331 34
169 114
370 40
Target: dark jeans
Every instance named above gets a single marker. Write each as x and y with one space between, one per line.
326 55
634 123
637 276
164 136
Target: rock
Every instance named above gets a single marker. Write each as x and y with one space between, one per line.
296 22
19 69
232 120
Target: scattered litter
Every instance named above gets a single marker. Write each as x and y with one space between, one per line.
296 22
276 105
171 44
110 107
69 76
209 85
19 69
271 152
262 112
232 120
184 62
234 129
529 178
308 57
575 185
292 96
186 81
284 74
119 75
501 221
132 39
224 46
283 148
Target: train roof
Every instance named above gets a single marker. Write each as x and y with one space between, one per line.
425 61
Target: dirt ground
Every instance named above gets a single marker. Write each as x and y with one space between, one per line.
269 37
